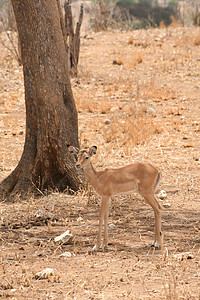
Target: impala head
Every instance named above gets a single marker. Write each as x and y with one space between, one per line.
82 157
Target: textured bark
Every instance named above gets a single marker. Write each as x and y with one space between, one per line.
73 37
51 116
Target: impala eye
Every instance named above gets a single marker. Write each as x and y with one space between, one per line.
87 157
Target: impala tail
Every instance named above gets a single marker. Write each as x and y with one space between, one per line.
158 181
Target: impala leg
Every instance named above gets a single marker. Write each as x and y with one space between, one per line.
102 213
150 198
105 241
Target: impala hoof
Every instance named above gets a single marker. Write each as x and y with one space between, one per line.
155 245
94 248
97 248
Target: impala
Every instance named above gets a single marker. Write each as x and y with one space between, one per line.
138 177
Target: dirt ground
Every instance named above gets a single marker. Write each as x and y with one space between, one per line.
137 95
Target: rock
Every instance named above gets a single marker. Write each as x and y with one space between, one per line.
113 109
64 238
118 62
111 226
167 204
65 254
44 215
151 111
183 255
88 37
107 121
162 195
44 274
48 215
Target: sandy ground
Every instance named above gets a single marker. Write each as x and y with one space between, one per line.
143 107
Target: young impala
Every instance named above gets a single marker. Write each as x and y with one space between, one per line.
141 177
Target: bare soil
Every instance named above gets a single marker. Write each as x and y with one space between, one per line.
137 95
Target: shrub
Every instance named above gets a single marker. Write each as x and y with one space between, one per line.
147 12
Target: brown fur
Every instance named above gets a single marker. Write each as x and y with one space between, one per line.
141 177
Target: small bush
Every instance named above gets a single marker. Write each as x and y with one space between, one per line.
147 13
101 11
197 40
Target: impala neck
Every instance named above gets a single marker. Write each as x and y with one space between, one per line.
90 173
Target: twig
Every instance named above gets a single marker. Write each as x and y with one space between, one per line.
14 48
37 189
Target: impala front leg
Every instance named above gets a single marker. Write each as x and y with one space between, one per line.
105 241
102 213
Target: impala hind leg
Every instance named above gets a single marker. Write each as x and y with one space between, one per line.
103 216
152 201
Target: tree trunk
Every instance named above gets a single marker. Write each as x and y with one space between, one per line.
73 37
51 116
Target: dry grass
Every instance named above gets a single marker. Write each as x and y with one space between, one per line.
174 23
153 91
162 25
146 273
86 103
129 127
125 125
145 112
118 61
136 59
197 40
188 39
130 40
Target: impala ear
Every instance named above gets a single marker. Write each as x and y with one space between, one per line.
72 149
93 150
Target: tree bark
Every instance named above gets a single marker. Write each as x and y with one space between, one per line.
51 116
73 37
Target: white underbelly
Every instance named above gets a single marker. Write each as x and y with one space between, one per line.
126 193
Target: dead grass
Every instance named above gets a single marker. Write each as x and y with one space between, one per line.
86 103
174 23
129 127
197 40
130 40
145 112
188 39
118 61
136 59
126 125
153 91
162 25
